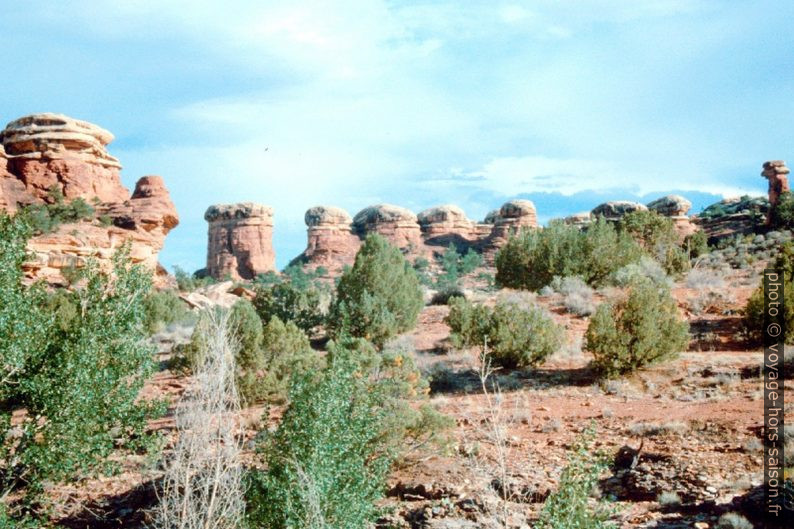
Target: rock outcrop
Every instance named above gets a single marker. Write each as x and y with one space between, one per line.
614 210
331 241
12 190
144 220
580 220
240 240
53 151
44 152
777 173
731 216
397 225
446 224
676 208
513 216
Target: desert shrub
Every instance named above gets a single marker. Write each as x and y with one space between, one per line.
641 328
187 282
162 308
303 302
645 268
77 383
454 267
753 321
657 235
202 482
532 259
577 295
45 218
568 507
267 355
732 520
696 244
516 336
326 463
379 297
783 215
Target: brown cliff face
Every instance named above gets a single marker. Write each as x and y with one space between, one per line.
51 151
47 151
331 241
397 225
240 240
446 224
614 210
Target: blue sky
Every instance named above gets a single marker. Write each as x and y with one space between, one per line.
350 103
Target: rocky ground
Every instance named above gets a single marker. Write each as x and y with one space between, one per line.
698 418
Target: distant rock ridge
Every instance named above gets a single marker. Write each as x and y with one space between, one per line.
240 240
45 152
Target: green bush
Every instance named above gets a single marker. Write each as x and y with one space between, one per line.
187 282
454 267
753 321
568 507
657 235
267 355
783 215
326 463
637 330
410 420
516 336
303 301
78 380
696 244
161 309
532 259
379 297
45 218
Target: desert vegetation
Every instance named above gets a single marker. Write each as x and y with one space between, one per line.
407 393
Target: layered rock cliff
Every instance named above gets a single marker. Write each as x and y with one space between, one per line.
240 240
48 154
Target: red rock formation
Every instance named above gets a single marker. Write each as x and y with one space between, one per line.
12 190
614 210
332 243
47 151
513 216
397 225
676 208
240 240
447 222
777 173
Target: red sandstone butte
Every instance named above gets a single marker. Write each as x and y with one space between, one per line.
240 240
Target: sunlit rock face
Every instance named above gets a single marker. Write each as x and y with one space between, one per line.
44 155
240 240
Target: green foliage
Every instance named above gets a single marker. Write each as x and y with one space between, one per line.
326 463
267 355
783 214
301 299
454 267
516 336
642 328
753 321
696 244
657 235
410 421
77 379
568 507
161 309
187 282
532 259
45 218
379 297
